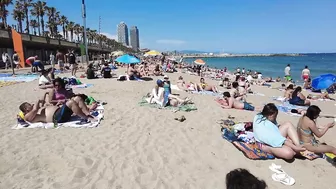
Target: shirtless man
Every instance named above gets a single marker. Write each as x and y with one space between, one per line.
234 92
231 103
60 60
132 72
37 113
305 73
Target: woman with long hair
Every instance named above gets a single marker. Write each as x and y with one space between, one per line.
297 98
281 140
307 130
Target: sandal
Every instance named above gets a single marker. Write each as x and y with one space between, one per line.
283 178
276 168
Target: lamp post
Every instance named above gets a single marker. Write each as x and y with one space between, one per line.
85 37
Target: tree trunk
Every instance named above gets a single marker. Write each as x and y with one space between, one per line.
39 29
27 21
42 24
20 25
71 36
64 34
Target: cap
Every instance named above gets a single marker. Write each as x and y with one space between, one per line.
165 77
159 82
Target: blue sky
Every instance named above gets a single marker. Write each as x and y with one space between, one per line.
238 26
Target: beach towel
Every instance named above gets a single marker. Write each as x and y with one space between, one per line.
8 83
279 98
175 87
74 122
185 108
256 94
207 93
310 155
250 151
81 86
18 77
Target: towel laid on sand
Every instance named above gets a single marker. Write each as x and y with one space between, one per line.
81 86
74 122
250 151
185 108
175 87
207 93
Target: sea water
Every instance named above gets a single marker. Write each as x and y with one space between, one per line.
274 66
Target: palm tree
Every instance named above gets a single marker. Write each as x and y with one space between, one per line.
3 10
26 4
51 13
18 15
35 24
78 30
40 8
70 28
63 21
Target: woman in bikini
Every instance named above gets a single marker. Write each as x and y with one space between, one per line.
206 87
307 130
297 98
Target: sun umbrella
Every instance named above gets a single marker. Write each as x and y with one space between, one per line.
117 53
127 59
153 53
199 62
323 81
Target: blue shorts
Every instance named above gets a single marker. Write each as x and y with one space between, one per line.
248 107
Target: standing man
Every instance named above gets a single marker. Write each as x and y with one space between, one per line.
16 60
72 62
305 73
5 59
287 73
52 60
60 59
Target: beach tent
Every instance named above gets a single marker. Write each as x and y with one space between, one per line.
199 62
127 59
323 81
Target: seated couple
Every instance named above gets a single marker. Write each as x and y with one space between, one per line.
105 72
284 140
40 112
161 95
58 95
230 103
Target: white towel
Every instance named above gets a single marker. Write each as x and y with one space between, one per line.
175 87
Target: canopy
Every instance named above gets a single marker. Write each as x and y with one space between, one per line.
128 59
199 62
153 53
117 53
323 81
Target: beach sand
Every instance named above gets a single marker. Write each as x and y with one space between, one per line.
140 147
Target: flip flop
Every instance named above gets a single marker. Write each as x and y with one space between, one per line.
276 168
283 178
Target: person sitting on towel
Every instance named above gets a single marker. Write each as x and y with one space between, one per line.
132 73
49 114
90 74
288 91
206 87
232 103
297 98
106 71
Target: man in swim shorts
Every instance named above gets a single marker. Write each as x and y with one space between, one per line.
49 114
232 103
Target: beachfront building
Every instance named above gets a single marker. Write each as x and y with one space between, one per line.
122 33
134 38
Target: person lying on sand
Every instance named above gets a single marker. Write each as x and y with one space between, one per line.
307 130
231 103
281 140
322 96
38 113
206 87
297 98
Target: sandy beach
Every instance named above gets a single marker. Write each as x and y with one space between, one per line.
141 147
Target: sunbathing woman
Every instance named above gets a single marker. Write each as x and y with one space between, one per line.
307 130
297 98
181 84
280 140
322 96
206 87
163 98
288 91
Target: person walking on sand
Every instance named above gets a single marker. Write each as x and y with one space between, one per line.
16 60
60 59
72 62
52 60
305 73
287 72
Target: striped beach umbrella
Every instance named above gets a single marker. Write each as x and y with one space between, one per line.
199 62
